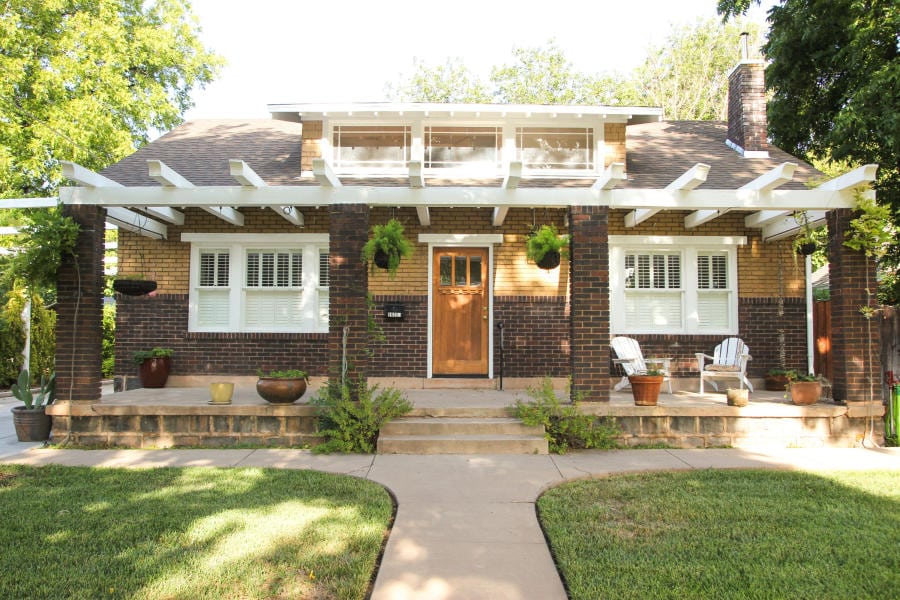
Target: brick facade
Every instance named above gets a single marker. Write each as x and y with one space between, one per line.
145 322
404 351
536 336
79 309
855 340
589 321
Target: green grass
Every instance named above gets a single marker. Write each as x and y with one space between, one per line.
187 533
727 534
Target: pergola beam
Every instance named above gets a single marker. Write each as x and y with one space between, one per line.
510 182
788 227
863 175
136 222
247 177
612 176
85 176
171 179
767 182
687 182
324 174
417 182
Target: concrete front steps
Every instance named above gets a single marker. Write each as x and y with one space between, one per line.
453 434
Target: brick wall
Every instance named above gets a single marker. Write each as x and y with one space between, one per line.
404 351
79 309
311 145
614 136
145 322
536 336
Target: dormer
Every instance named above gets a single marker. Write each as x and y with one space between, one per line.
463 140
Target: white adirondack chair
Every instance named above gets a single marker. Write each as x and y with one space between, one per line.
729 361
629 355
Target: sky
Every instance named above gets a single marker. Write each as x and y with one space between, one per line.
290 51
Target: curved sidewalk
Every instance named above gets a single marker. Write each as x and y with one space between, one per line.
466 526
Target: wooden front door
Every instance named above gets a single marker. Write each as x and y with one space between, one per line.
460 311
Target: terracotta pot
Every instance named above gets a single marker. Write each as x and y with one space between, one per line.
154 372
280 390
776 383
32 424
805 392
550 260
645 389
737 397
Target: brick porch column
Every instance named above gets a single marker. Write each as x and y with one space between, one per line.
349 283
79 310
589 316
855 340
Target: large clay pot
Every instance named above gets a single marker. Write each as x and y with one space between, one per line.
32 424
805 392
645 389
154 372
280 390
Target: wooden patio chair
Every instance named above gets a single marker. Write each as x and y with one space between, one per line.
630 357
729 361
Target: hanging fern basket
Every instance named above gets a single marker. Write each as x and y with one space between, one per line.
550 260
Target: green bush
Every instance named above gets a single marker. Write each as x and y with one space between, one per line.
566 427
12 340
12 337
351 424
109 340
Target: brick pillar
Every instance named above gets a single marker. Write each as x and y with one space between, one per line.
589 298
79 310
349 282
855 340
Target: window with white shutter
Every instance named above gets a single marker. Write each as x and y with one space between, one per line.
676 284
259 282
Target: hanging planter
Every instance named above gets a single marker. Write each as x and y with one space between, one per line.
806 248
545 246
387 246
134 287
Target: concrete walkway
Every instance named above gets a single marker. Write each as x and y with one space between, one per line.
466 526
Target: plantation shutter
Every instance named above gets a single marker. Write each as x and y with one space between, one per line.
653 294
273 293
713 293
324 283
213 293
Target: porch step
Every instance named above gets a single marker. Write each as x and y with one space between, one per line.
460 435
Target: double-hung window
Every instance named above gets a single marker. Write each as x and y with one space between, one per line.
260 283
674 284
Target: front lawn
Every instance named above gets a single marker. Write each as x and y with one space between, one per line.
188 533
727 534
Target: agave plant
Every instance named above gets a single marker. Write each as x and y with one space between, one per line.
44 396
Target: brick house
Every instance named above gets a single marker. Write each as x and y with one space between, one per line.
253 230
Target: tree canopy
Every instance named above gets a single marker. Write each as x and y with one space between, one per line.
686 75
834 78
88 80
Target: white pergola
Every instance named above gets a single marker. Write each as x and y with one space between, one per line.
148 209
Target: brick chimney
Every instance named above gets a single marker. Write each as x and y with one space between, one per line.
747 106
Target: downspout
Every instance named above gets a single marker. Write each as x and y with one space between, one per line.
810 354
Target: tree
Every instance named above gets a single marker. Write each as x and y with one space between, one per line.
451 82
688 75
87 80
834 75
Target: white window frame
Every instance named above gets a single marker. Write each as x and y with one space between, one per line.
689 247
238 245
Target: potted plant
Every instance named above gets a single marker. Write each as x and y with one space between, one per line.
544 246
282 387
777 379
387 246
645 386
32 423
154 366
133 285
805 389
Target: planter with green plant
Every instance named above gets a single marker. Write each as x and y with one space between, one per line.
545 246
154 366
31 421
777 379
282 387
804 244
805 389
645 386
387 246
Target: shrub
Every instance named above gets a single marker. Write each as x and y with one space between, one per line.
566 427
351 424
108 351
12 337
